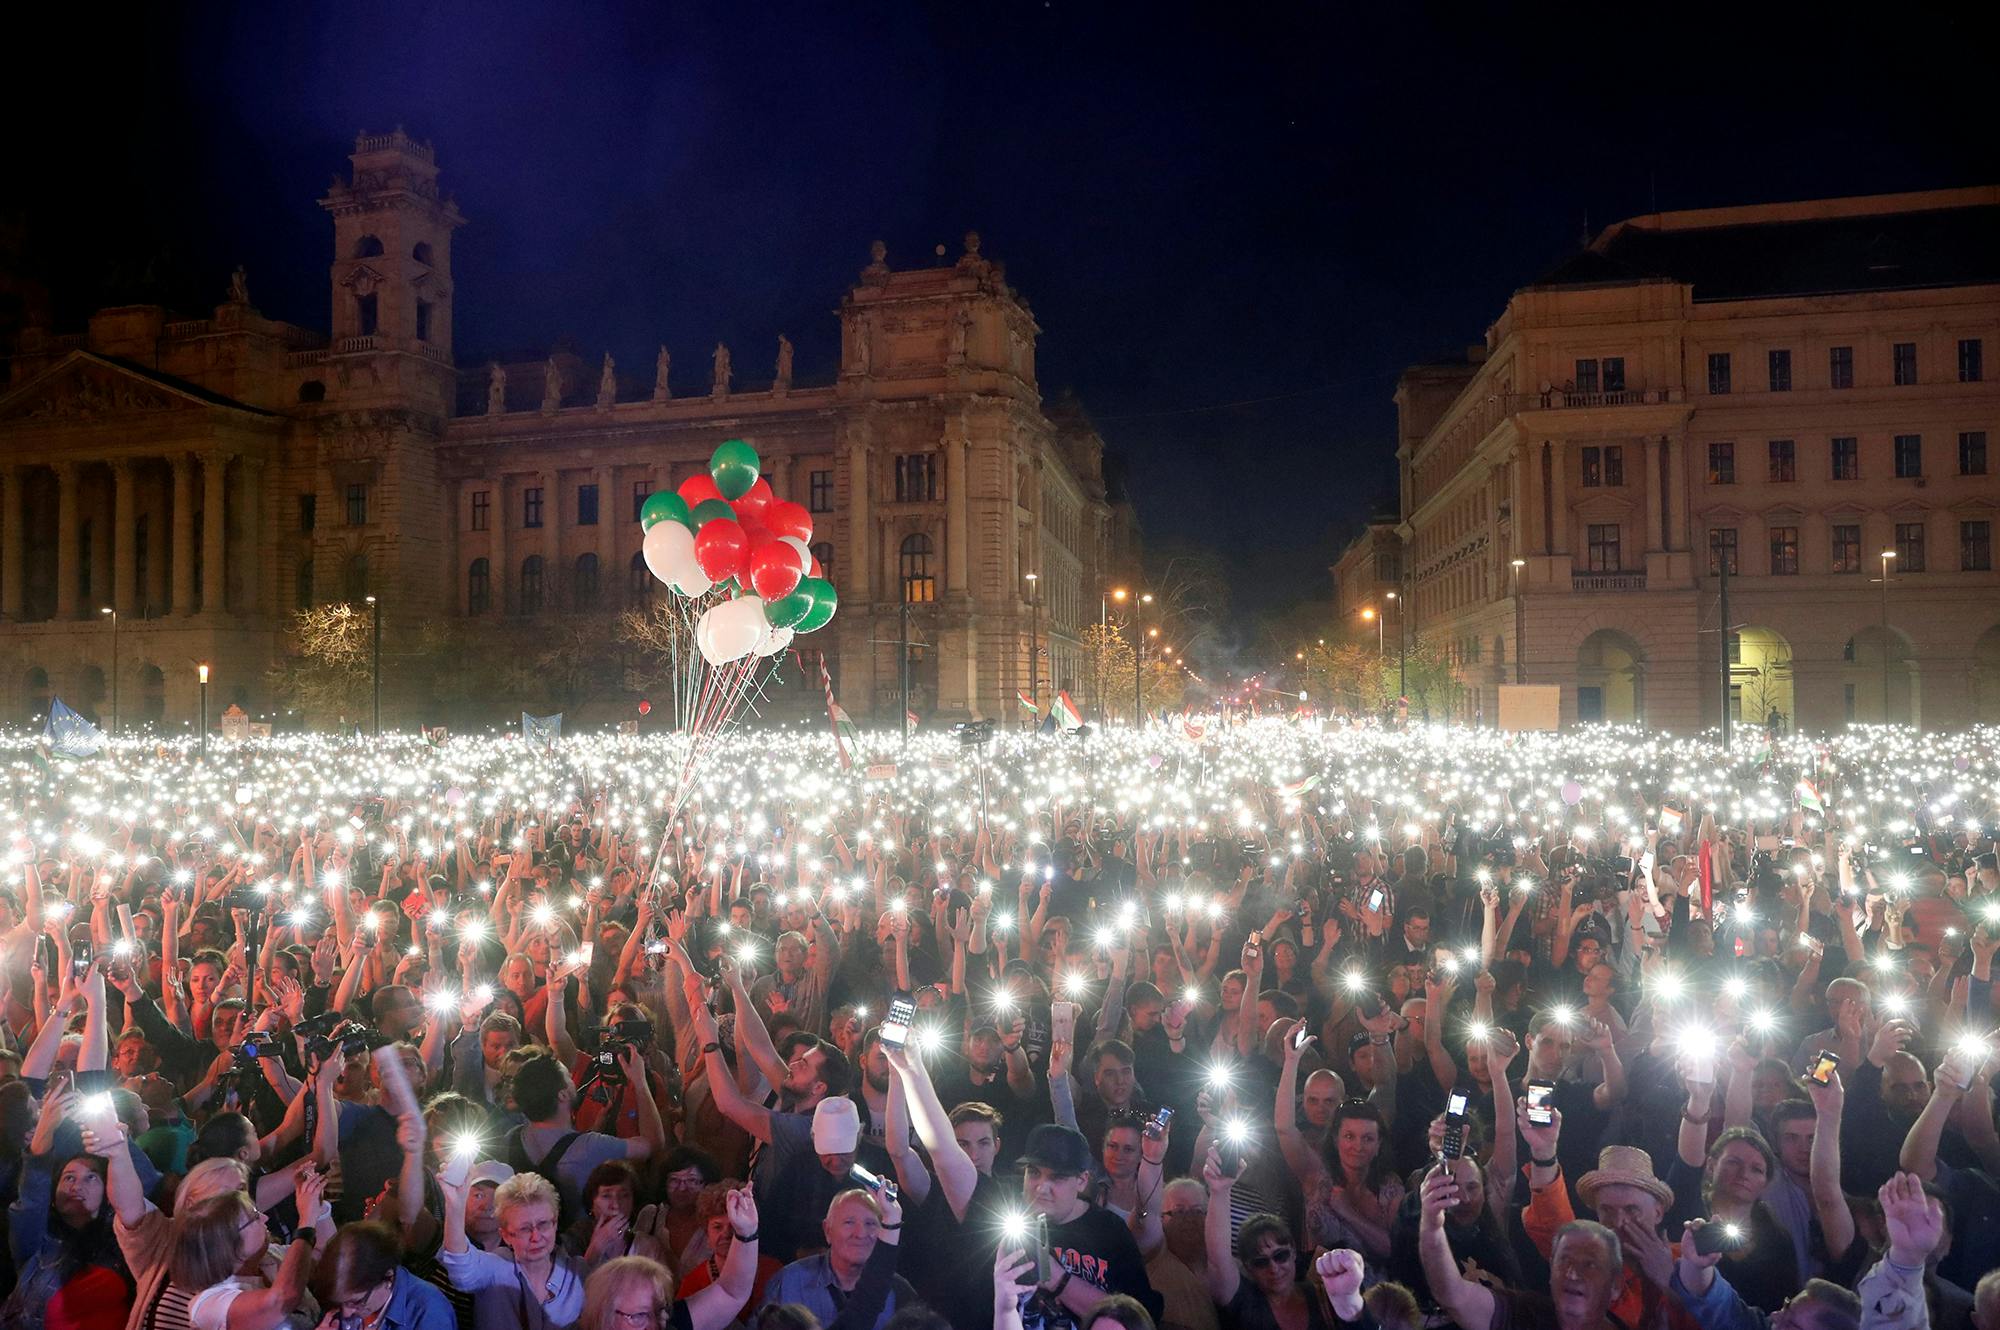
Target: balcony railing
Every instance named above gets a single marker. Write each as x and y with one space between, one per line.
345 345
1558 399
1607 582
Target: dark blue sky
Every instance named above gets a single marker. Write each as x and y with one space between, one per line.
1205 205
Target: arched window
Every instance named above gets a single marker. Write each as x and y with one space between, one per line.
583 582
38 693
823 551
367 247
152 692
302 586
422 252
915 559
312 390
639 582
531 584
354 586
478 587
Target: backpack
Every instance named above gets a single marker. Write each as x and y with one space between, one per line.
517 1159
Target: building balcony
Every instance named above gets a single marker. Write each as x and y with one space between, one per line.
1556 399
1586 582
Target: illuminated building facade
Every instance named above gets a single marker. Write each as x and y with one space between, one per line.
206 477
1790 390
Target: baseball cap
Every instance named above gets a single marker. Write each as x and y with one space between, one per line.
836 1126
1057 1148
488 1170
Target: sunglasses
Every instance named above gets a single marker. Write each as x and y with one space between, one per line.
1280 1257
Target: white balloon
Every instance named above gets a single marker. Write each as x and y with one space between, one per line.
776 640
702 635
736 627
692 581
805 553
669 548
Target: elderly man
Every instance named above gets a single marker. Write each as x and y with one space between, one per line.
1848 1002
863 1232
1627 1197
1584 1265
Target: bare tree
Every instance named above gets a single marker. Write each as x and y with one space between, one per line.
327 673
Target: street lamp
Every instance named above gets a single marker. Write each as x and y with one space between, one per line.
1034 640
375 606
1520 626
1369 614
201 672
114 665
1138 652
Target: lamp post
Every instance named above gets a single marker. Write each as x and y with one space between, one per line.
1886 556
1520 625
1138 650
201 672
114 665
1034 640
1402 650
1368 614
375 607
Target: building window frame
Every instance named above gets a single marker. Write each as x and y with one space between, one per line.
1784 551
1975 546
357 503
1971 360
586 504
1972 452
479 586
1909 451
1840 367
916 477
1784 461
1603 542
533 578
913 568
1845 453
1592 459
819 492
1718 373
1845 543
1722 463
531 507
482 509
1779 368
1724 550
1910 547
1903 362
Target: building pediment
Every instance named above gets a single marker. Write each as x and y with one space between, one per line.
1606 506
88 389
1722 512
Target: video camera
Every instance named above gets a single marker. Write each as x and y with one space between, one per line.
330 1030
973 733
614 1041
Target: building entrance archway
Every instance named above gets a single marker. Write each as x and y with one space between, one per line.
1760 677
1610 679
1986 677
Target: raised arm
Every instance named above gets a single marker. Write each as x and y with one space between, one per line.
1469 1304
716 1306
1222 1273
1836 1221
753 1118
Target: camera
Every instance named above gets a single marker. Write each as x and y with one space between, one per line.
246 898
615 1040
350 1037
258 1044
971 734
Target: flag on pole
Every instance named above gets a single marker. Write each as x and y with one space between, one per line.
1809 797
70 735
910 720
843 728
1670 821
541 729
1065 712
1026 705
1299 789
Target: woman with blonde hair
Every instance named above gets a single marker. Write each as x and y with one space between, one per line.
532 1284
629 1291
221 1260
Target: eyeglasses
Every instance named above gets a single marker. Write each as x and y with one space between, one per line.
639 1320
1278 1256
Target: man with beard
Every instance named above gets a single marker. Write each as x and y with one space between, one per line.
1884 1096
812 1139
1583 1272
995 1071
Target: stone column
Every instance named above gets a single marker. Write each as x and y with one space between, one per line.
1558 497
124 537
214 533
860 573
781 477
157 595
14 534
68 560
1651 490
499 576
955 512
183 465
249 554
609 592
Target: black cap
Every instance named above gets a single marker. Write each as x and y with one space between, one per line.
1059 1149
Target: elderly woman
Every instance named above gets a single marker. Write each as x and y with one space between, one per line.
532 1284
607 1226
633 1291
360 1275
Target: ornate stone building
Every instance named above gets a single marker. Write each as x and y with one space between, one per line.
1799 391
206 477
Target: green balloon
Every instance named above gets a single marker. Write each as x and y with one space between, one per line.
665 506
825 601
734 468
711 510
788 611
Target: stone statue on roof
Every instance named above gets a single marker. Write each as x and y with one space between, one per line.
662 366
784 377
719 385
239 286
496 389
552 385
607 383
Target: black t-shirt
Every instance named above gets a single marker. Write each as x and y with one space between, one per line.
950 1262
1097 1247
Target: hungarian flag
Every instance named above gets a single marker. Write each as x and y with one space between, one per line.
1670 821
910 719
1298 789
1809 797
1065 712
1192 728
1026 705
844 732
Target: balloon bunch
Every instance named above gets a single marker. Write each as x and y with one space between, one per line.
741 563
727 529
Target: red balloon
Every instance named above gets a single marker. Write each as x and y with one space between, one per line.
754 529
722 550
645 707
696 488
774 570
785 518
814 570
757 500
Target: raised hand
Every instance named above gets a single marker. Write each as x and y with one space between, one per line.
1914 1218
1648 1250
1439 1195
1340 1272
1890 1039
742 1208
308 1186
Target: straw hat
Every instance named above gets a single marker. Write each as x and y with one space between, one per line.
1623 1166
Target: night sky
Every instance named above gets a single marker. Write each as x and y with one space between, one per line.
1236 224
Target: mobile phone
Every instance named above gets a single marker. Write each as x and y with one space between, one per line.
1812 944
1540 1112
458 1167
872 1181
1701 1067
1235 1135
1713 1237
1454 1125
1957 1068
1822 1067
1156 1126
79 959
896 1025
1301 1036
1375 899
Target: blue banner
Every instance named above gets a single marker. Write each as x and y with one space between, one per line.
70 735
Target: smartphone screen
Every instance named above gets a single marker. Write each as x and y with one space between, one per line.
1375 899
1300 1036
896 1025
1823 1066
1455 1106
1161 1120
1540 1113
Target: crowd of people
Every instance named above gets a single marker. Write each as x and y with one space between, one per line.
1263 1025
